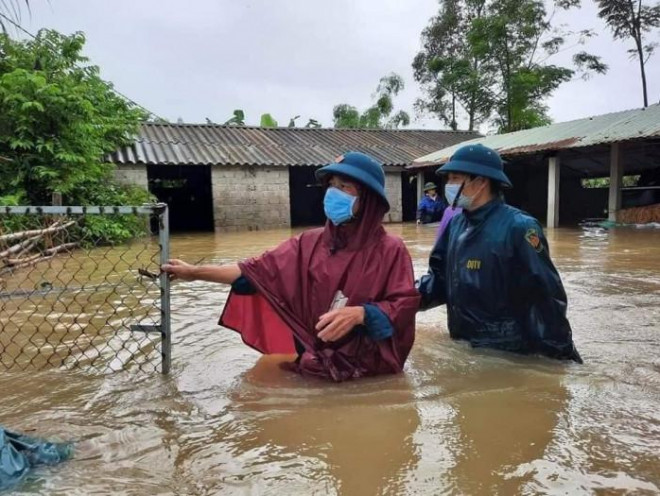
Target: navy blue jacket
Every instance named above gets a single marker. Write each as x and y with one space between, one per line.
430 210
493 270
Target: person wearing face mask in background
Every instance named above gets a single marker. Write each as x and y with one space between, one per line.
492 267
342 297
450 212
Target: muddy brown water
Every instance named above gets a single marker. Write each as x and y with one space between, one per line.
458 421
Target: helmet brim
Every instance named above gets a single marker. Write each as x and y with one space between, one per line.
355 173
465 167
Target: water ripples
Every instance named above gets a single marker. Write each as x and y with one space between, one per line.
459 421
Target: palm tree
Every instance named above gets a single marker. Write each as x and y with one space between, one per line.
11 12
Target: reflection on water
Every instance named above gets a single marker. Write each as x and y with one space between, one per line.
459 421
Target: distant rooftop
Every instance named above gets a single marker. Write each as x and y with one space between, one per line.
628 125
208 144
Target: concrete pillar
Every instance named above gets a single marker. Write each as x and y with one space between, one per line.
420 186
616 178
393 192
554 168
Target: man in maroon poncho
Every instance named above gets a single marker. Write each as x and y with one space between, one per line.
342 297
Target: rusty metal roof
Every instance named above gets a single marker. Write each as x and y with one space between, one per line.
204 144
602 129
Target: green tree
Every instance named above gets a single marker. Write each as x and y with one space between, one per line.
267 121
491 57
451 76
346 116
376 116
518 38
58 118
632 19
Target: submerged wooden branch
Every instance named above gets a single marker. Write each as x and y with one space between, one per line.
29 247
19 263
5 238
63 247
21 247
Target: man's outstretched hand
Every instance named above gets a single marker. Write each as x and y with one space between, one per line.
178 269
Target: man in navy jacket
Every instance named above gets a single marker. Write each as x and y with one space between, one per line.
492 267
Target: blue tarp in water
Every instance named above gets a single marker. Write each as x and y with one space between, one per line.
19 453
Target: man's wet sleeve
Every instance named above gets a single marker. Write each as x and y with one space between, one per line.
420 209
548 329
377 325
243 287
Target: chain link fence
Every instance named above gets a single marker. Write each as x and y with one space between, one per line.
72 296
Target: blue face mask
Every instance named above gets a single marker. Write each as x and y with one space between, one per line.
451 190
338 206
464 202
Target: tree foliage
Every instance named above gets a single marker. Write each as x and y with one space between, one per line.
58 120
632 20
451 74
379 115
488 59
237 120
267 121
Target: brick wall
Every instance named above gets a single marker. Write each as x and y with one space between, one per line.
250 198
253 198
132 174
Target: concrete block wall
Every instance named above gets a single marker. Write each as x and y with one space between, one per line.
132 174
393 191
250 198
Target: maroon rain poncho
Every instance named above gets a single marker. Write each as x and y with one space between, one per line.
297 281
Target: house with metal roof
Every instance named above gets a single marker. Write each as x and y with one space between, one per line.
248 178
550 162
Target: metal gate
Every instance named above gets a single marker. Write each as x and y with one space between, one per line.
71 296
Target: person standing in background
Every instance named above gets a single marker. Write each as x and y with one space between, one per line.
431 207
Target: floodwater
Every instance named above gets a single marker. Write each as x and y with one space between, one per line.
458 421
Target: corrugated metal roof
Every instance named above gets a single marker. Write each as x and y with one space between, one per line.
602 129
204 144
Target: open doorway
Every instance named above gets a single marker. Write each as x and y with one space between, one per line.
306 197
408 196
187 191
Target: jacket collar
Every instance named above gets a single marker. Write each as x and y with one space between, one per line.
479 215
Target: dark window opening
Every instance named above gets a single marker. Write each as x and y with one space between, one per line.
187 191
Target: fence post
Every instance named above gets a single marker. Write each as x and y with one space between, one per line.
166 331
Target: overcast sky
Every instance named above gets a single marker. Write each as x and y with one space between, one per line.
205 58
